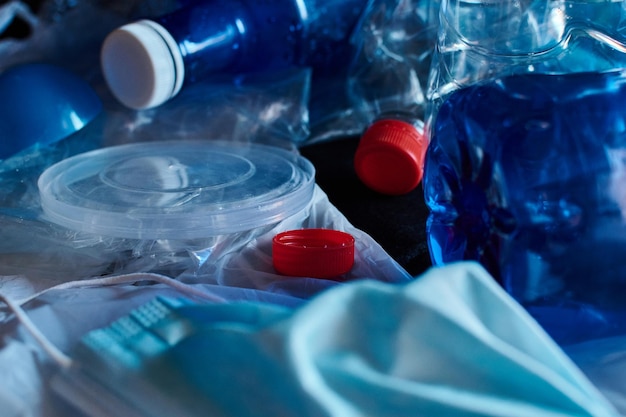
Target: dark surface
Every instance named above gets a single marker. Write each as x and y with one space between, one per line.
397 223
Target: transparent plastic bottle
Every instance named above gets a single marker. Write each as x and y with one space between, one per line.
145 63
390 155
386 85
526 168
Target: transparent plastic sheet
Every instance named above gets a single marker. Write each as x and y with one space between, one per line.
270 108
45 254
246 260
393 45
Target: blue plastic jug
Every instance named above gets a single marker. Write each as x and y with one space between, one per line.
526 168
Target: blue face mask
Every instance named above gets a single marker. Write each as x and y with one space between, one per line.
168 356
451 343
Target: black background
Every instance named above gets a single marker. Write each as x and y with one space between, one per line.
397 223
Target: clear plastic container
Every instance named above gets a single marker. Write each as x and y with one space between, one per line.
176 190
145 63
525 169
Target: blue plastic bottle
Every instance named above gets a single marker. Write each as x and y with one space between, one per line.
526 168
147 62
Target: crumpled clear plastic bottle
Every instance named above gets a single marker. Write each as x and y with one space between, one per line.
525 169
387 81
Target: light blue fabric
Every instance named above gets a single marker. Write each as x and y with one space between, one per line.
451 343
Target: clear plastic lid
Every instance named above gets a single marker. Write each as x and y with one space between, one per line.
176 190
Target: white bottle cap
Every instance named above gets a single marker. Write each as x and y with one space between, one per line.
142 64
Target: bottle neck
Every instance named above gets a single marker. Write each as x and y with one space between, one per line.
226 36
208 31
402 116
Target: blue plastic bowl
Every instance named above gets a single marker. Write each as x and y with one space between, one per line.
41 104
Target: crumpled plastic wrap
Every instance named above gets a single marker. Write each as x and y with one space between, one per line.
45 254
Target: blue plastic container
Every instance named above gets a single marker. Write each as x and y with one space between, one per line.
526 169
41 104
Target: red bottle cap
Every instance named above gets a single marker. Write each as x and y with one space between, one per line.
316 253
390 157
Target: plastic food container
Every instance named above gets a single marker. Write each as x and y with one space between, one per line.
176 190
